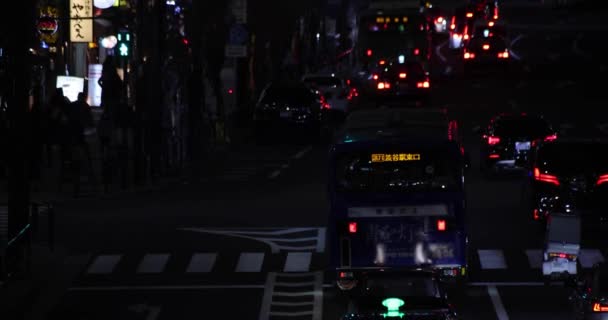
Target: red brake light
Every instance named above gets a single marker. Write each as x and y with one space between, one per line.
352 227
466 36
375 77
602 179
543 177
383 85
402 75
536 214
494 156
597 307
503 55
369 52
416 51
441 225
491 24
469 14
468 55
382 62
425 84
453 26
492 140
552 137
440 20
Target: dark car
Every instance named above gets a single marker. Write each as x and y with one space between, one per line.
405 80
571 174
408 295
289 106
491 52
508 138
590 297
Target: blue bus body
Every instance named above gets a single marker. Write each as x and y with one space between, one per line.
403 228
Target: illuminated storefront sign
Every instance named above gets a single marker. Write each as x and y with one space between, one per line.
48 24
81 20
71 86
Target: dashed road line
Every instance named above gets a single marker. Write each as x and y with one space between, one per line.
302 152
274 174
501 312
438 51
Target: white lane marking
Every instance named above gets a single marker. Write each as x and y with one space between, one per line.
512 284
498 306
271 278
492 259
297 262
153 263
250 262
535 258
515 40
589 257
274 174
152 311
201 262
284 166
302 152
104 264
577 49
273 243
184 287
438 51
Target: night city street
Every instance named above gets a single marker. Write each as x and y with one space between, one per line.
234 227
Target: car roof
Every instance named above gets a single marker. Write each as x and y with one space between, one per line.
387 117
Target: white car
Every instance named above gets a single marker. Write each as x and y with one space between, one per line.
337 92
562 246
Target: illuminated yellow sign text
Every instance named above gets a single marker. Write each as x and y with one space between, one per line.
395 157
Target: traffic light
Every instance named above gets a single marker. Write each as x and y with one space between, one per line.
124 44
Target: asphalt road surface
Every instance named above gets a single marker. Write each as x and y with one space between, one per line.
249 243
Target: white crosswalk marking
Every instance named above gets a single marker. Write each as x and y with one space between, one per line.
297 262
250 262
589 257
202 262
492 259
104 264
153 263
535 258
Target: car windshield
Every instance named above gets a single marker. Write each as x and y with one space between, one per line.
288 95
323 81
403 170
572 157
522 127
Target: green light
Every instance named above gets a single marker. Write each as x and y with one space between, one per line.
124 50
393 304
401 28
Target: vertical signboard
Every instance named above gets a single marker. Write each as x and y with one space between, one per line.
239 10
81 20
94 87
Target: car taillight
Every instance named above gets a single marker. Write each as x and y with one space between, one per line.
352 227
440 20
536 214
441 225
486 47
416 51
382 62
492 140
466 36
598 307
369 52
562 255
494 156
402 75
375 77
383 85
424 84
453 26
503 55
495 13
552 137
345 275
468 55
602 179
544 177
469 14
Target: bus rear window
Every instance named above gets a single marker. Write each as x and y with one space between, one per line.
398 172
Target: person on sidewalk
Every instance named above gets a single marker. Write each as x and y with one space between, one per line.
80 117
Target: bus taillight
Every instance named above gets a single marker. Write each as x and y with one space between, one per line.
441 225
352 227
